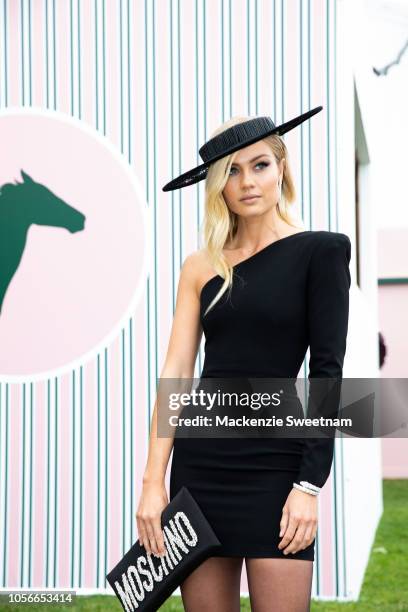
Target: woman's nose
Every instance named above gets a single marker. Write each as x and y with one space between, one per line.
246 179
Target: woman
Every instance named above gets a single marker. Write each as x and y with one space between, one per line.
263 290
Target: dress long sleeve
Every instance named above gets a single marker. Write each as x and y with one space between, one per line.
328 311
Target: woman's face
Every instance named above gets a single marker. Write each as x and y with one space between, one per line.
254 172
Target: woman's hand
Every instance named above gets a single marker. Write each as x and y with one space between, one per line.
299 521
152 503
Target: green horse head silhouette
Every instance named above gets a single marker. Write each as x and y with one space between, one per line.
21 205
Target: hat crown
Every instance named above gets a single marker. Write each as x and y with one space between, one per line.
234 135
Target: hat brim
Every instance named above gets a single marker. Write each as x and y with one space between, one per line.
199 173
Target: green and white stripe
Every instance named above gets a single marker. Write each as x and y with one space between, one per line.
151 104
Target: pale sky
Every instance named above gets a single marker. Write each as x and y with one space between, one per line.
387 23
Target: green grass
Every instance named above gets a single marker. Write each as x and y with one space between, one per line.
385 587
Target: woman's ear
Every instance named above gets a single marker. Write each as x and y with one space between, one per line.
281 168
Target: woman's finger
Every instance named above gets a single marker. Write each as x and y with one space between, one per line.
140 530
152 539
310 534
297 541
144 538
158 534
284 522
289 533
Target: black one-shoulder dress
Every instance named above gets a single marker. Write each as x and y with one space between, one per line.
292 294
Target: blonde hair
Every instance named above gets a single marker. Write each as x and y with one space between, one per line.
220 224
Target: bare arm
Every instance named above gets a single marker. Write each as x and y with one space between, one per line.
179 363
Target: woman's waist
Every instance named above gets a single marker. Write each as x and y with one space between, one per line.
238 454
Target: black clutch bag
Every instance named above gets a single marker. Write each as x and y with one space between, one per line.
143 581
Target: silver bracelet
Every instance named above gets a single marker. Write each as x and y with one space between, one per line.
304 489
309 485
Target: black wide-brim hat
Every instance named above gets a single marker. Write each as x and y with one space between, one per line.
233 138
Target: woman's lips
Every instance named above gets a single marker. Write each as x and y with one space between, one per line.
249 199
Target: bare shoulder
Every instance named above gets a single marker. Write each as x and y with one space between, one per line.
196 270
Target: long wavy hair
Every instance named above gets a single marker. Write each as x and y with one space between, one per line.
220 224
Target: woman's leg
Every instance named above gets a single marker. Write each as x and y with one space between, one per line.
214 586
281 585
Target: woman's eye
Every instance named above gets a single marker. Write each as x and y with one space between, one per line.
258 164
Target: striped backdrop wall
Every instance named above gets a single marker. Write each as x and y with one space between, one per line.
155 77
